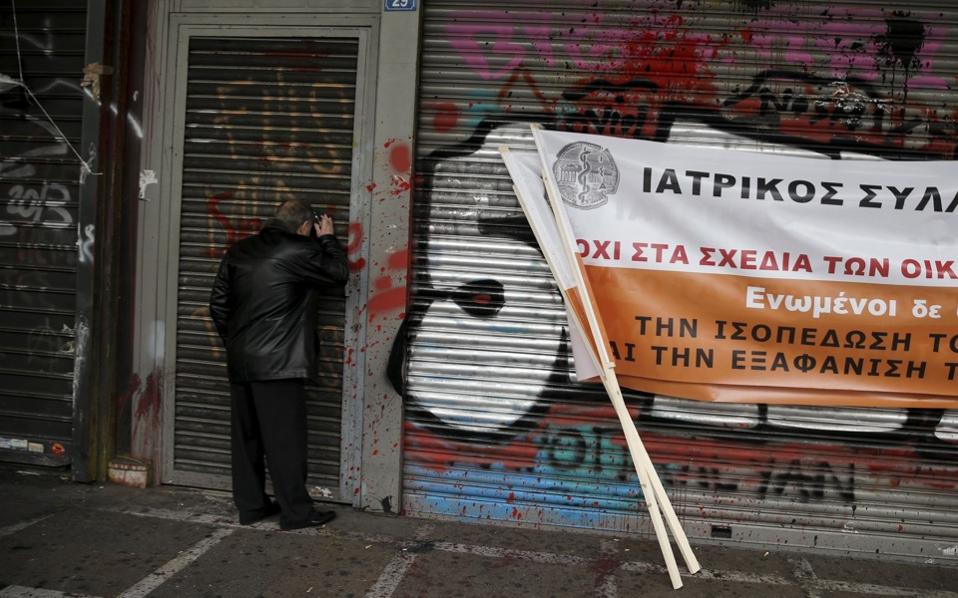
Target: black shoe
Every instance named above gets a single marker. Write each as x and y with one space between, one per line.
315 519
253 516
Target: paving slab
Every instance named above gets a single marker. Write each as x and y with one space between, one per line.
251 563
757 563
503 536
881 572
25 501
470 576
92 552
658 586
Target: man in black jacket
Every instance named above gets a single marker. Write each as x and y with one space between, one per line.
264 307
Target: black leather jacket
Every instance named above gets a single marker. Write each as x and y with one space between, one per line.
264 301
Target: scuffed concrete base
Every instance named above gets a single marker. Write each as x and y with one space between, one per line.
130 472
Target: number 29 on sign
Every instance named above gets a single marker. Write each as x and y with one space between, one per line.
400 5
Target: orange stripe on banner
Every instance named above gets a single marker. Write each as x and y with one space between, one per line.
681 327
589 294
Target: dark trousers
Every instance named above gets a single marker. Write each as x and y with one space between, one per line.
269 419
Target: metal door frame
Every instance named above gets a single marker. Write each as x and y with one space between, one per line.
181 29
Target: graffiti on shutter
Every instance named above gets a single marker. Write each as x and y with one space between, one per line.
496 425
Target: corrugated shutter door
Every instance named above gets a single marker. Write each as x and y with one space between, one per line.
266 120
39 191
495 426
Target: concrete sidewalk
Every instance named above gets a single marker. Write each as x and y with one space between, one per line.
63 539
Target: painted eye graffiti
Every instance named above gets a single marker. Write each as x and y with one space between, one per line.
479 298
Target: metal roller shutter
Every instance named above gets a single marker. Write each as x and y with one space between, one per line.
266 119
495 425
39 192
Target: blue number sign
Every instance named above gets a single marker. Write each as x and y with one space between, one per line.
400 4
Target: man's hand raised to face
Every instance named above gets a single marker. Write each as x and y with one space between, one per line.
324 226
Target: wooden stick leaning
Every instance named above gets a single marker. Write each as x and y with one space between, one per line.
644 471
636 447
656 498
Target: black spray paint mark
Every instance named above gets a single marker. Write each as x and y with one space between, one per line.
900 44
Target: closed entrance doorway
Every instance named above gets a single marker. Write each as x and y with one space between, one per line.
260 116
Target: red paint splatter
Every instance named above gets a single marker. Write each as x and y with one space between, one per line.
387 297
389 142
149 403
383 283
805 127
147 431
602 569
516 514
371 187
355 237
657 50
511 498
400 185
357 265
399 260
386 301
672 57
400 158
946 149
131 389
235 229
353 245
446 118
439 453
749 107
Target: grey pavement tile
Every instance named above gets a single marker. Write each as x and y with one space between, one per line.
92 552
711 557
883 572
279 564
469 576
657 585
187 500
27 497
586 545
399 529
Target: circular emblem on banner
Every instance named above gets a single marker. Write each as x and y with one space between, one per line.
586 174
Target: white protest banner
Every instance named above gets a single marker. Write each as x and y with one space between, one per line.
524 170
743 277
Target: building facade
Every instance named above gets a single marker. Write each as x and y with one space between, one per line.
449 389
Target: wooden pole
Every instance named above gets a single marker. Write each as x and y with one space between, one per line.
636 443
652 489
